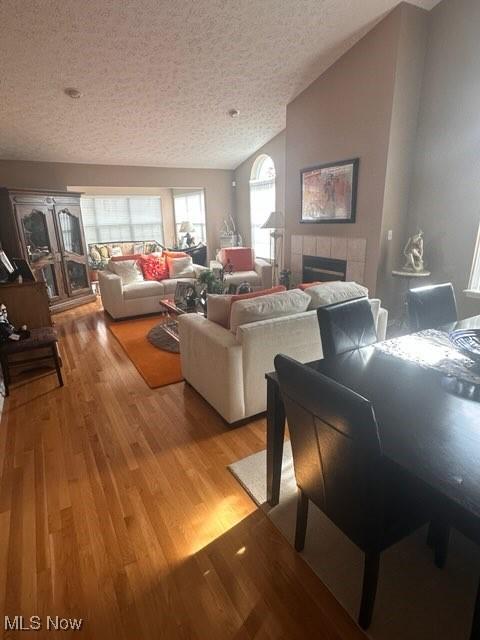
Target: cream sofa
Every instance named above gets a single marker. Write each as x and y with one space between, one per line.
228 369
138 298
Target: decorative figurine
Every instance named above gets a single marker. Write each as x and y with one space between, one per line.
413 252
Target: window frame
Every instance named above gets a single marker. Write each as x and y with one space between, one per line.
258 180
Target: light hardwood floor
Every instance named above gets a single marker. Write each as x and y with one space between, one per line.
116 506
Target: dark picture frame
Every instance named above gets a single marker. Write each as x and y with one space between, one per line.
329 192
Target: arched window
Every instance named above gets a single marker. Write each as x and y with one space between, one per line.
262 203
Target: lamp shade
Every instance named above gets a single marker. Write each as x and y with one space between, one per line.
186 227
274 221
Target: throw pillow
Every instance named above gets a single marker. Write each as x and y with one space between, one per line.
128 270
331 292
275 305
240 258
174 254
219 306
103 251
95 254
180 267
115 252
154 267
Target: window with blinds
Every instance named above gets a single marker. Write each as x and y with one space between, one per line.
122 218
190 207
474 281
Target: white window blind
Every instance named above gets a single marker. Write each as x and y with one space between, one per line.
262 203
117 218
190 207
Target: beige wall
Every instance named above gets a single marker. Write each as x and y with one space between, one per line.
411 48
345 114
219 200
275 148
445 195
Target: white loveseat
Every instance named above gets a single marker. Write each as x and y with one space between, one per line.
137 298
228 368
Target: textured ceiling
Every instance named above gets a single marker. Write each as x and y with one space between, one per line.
158 77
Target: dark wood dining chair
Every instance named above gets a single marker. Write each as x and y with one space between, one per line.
345 326
431 306
338 463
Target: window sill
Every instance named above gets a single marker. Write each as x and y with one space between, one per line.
472 293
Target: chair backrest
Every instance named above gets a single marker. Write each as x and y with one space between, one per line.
345 326
336 449
431 306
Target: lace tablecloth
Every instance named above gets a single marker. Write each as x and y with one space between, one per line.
432 349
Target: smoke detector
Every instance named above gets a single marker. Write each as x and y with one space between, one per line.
73 93
234 113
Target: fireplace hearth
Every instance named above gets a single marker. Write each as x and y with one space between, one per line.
315 268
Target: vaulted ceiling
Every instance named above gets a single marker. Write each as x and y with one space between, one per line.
158 77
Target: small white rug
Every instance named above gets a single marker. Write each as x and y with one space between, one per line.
415 600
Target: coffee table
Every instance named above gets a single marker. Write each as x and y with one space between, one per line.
173 311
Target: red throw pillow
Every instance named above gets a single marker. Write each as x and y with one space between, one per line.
133 256
241 258
174 254
306 285
254 294
154 267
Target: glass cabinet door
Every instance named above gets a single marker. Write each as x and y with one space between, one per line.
71 232
36 233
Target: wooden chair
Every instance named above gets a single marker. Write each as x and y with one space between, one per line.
339 466
345 326
41 338
431 306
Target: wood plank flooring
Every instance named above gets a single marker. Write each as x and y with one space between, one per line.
116 507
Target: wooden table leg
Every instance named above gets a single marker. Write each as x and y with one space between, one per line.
275 436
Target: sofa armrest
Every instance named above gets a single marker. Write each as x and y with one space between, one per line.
198 268
111 291
211 362
297 336
264 270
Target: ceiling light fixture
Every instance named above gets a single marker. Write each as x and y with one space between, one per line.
234 113
73 93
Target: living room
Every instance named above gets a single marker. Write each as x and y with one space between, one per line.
216 220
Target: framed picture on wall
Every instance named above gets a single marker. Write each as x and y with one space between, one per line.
329 192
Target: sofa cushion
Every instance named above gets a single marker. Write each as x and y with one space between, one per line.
128 270
238 277
275 305
241 258
331 292
180 267
143 289
154 266
219 306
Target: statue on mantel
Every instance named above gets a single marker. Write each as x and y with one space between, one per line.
413 252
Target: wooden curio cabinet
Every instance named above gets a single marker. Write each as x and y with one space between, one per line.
45 228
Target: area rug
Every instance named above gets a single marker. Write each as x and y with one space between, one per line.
415 600
157 367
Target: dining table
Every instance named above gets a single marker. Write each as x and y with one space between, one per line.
427 407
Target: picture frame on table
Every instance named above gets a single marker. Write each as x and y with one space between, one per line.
329 192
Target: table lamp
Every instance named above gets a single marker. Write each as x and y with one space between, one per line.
276 222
